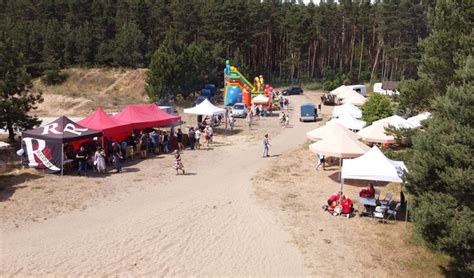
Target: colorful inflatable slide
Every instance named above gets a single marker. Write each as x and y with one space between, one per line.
237 88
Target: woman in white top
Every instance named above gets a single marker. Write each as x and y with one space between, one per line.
99 160
197 136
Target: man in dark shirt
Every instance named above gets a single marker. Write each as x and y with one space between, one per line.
117 155
81 157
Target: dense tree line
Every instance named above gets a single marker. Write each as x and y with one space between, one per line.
282 39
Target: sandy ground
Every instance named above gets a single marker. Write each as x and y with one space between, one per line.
234 214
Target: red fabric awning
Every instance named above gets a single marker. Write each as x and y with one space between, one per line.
110 126
145 116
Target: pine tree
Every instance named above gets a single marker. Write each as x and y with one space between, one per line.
16 97
128 46
441 175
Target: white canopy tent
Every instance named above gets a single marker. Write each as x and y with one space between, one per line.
341 89
260 99
373 165
349 122
347 94
375 133
347 108
329 130
356 99
205 108
416 120
396 121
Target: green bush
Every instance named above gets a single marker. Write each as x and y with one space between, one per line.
375 108
53 77
328 85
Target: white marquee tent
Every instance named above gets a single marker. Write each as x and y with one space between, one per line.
205 108
373 165
375 133
340 90
356 99
416 120
347 108
397 122
349 122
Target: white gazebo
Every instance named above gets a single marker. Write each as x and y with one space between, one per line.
356 99
373 165
349 122
341 89
205 108
416 120
396 121
347 108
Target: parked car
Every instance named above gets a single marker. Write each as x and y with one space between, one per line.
239 110
293 90
308 112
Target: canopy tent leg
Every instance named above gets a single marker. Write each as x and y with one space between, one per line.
342 185
340 168
62 159
406 212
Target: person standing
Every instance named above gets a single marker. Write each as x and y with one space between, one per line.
266 145
231 121
178 164
249 119
191 138
197 136
179 139
143 144
210 132
165 142
287 120
117 155
99 160
81 157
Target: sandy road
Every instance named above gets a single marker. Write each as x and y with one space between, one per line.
204 223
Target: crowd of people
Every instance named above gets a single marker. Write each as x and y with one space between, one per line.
98 155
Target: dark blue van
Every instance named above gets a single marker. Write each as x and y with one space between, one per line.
308 112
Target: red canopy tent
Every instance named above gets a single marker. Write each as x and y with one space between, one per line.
146 115
110 126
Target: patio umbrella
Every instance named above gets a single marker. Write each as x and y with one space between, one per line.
340 145
329 130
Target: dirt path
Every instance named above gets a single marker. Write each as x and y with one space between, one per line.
204 223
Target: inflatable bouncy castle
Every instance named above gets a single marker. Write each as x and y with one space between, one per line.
237 88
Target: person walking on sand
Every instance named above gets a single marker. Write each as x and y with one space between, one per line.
179 139
99 160
322 161
81 157
249 119
197 137
282 119
178 165
165 142
287 120
266 145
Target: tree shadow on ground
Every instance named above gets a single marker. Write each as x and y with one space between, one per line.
10 183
